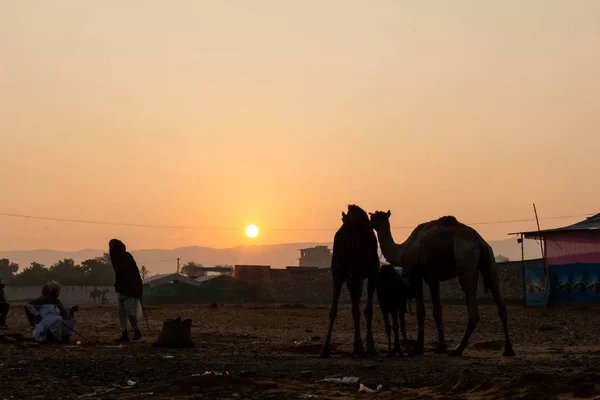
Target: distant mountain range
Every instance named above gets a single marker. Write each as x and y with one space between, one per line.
278 255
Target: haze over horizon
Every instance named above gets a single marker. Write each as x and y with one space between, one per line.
279 114
277 256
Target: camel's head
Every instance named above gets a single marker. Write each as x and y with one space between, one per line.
380 220
355 215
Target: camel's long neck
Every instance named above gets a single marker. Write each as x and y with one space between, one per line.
390 250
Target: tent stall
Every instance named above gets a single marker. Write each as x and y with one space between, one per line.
177 288
171 286
571 268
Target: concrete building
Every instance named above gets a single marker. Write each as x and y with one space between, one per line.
318 256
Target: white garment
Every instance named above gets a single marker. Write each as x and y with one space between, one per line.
129 309
52 323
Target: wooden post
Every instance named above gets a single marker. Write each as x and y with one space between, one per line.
178 265
538 226
523 270
542 243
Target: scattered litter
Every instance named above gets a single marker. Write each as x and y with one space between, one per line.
130 384
169 357
345 380
98 391
215 373
236 395
305 396
78 342
364 389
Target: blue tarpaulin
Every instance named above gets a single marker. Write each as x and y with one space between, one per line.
575 283
535 287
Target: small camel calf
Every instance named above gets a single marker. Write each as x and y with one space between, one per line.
392 294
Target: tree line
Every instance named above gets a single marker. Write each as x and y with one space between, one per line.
94 272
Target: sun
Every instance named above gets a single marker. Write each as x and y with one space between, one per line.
252 231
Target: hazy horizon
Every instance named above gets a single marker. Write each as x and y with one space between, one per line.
279 114
277 256
167 248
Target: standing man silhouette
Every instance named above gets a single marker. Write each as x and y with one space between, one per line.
129 288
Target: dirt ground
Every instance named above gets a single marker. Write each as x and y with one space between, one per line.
270 352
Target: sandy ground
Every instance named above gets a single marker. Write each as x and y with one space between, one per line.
265 353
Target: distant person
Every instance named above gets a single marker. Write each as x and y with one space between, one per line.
53 322
129 288
3 307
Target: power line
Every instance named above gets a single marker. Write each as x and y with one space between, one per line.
90 222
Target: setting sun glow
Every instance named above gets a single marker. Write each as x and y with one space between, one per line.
252 231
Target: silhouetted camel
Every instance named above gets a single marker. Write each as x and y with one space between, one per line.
354 259
438 251
392 294
95 294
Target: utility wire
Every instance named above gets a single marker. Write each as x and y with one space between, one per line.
89 222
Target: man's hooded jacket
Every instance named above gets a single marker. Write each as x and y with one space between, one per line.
128 281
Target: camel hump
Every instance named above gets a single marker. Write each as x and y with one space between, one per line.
448 220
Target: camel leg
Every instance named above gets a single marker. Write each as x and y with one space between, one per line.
388 331
495 289
397 348
403 325
369 317
418 291
434 288
469 286
337 289
355 287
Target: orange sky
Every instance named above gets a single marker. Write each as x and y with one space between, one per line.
279 113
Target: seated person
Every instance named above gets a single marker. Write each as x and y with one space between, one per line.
3 306
52 321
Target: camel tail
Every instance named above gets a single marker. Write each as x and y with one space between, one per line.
486 266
